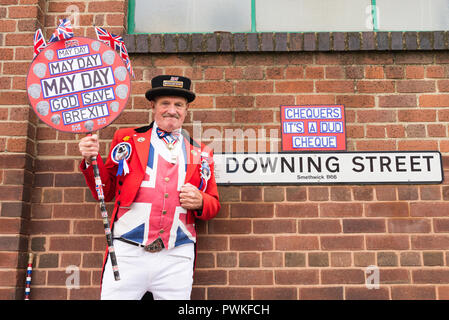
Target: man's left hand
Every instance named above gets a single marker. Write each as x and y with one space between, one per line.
190 197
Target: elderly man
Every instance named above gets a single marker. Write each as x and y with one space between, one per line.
162 180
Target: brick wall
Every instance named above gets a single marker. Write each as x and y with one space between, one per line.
289 242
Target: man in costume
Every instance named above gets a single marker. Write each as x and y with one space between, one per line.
162 180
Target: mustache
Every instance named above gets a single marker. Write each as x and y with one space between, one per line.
170 115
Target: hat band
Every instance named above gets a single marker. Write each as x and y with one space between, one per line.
172 83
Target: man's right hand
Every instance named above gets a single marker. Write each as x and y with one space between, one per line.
89 147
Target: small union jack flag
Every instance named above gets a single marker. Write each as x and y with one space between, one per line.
117 43
63 31
108 38
39 42
125 57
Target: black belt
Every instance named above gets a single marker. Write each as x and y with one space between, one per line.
155 246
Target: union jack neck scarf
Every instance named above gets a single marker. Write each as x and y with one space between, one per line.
170 138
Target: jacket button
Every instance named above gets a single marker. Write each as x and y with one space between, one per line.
120 183
118 202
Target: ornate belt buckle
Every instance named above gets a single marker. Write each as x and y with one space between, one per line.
155 246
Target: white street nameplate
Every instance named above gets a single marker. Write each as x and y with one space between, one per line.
409 167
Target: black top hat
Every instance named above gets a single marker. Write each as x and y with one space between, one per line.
170 86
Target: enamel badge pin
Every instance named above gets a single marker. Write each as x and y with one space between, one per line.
204 171
120 155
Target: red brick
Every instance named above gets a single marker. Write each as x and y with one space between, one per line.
394 276
236 226
335 72
374 72
112 6
50 227
251 243
363 293
213 87
413 58
249 260
260 116
363 225
312 99
415 86
443 292
318 193
91 227
19 39
273 293
394 72
10 226
234 102
321 293
335 86
293 86
11 193
373 116
387 242
387 209
342 242
413 293
414 72
296 210
228 293
341 210
22 12
15 68
75 211
290 243
274 101
210 277
71 243
251 194
435 72
345 276
319 226
430 242
59 278
253 87
441 225
251 277
409 225
212 243
274 226
375 86
212 117
92 293
397 101
429 209
303 277
248 210
430 276
357 101
434 101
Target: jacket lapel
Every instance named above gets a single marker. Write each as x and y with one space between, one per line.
193 153
142 142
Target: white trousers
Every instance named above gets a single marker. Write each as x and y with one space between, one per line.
167 274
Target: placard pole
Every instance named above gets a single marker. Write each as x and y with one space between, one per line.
104 215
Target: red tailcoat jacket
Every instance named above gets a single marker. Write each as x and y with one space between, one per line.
124 188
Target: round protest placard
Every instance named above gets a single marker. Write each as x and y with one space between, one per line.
78 85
